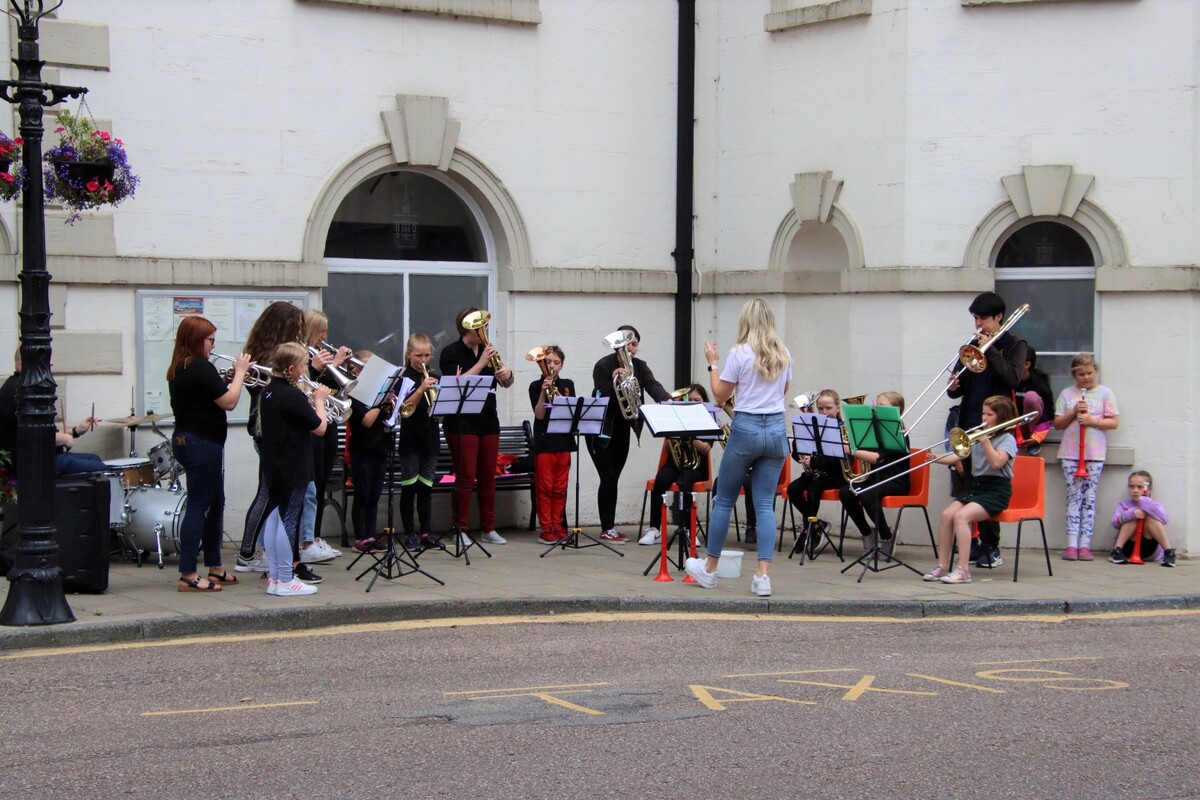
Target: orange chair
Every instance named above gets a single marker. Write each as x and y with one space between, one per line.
699 486
917 497
1028 503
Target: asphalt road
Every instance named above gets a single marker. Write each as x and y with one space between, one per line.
632 706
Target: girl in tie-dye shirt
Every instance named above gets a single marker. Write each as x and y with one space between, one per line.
1086 409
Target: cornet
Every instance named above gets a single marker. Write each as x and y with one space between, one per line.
345 382
351 360
478 321
255 375
430 395
538 356
337 408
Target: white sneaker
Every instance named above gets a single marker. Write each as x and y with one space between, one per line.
491 537
328 550
256 564
651 536
464 541
271 584
695 568
294 588
313 554
761 586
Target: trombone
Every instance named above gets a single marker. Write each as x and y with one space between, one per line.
255 376
973 358
960 441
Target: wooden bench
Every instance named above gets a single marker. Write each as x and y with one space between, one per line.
515 440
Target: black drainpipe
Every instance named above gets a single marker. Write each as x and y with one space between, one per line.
684 174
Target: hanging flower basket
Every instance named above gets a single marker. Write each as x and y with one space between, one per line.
11 177
88 169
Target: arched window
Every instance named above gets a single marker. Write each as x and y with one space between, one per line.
1051 266
405 251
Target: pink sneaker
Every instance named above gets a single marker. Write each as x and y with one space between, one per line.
1085 554
1070 554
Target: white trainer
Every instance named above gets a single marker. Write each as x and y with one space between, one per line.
491 537
761 585
651 536
695 568
293 588
271 584
313 554
326 548
256 564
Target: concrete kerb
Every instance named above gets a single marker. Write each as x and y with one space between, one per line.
299 619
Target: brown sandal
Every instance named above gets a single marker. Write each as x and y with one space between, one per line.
225 580
193 585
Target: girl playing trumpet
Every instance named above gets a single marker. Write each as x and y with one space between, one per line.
418 446
552 451
988 495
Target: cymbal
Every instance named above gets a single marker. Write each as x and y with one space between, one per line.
132 421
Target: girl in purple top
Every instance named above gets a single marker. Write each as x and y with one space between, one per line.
1140 506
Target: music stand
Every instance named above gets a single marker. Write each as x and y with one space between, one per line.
876 428
459 395
816 435
684 421
575 416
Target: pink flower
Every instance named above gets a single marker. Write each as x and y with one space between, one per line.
4 176
59 130
20 142
105 135
118 141
108 187
93 185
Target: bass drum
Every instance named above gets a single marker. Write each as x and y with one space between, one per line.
154 518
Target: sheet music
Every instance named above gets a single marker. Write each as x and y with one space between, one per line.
374 380
669 419
587 412
406 388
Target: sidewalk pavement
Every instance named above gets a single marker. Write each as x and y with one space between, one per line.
143 603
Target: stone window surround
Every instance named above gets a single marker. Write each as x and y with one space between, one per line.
522 12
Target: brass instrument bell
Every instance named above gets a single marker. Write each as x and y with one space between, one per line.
478 321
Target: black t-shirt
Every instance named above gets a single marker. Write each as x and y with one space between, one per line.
372 441
551 442
1005 362
287 425
8 414
419 433
457 356
602 379
194 391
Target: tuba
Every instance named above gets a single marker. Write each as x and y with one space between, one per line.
478 321
683 451
430 395
625 382
538 356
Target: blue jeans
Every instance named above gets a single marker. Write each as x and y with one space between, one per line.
308 517
74 463
204 515
758 442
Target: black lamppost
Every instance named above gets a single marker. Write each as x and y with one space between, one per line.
35 592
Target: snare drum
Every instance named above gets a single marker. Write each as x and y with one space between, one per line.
162 460
155 516
133 472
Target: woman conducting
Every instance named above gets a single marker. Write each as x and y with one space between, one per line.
758 369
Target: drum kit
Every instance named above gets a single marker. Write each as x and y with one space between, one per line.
144 513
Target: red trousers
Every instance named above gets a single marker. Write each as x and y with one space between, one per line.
475 458
553 471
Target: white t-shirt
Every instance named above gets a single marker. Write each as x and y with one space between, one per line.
755 393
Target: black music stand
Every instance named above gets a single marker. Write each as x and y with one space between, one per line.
876 428
684 421
579 415
459 395
816 435
396 560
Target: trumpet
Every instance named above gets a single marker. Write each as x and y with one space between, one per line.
478 321
538 356
625 383
973 357
430 395
358 364
960 441
337 408
343 379
255 376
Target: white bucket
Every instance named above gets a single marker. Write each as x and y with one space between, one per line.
730 564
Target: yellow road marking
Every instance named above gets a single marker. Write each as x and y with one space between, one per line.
1038 660
226 708
859 688
788 672
955 683
549 698
577 619
529 689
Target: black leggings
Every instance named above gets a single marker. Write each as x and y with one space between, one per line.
366 469
610 461
420 495
324 453
805 492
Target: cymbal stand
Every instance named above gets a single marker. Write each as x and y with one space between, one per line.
575 533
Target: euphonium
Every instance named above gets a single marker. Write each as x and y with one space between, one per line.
625 382
848 461
255 375
683 451
538 356
337 408
430 395
478 321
